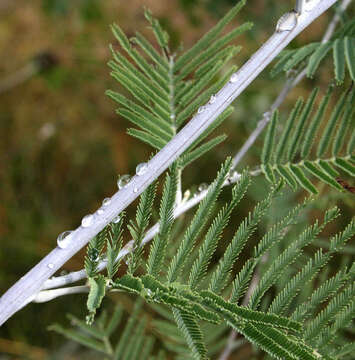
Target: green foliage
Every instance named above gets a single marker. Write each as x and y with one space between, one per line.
132 344
342 44
166 214
202 215
291 158
137 229
270 301
168 88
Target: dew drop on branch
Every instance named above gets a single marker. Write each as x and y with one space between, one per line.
202 187
135 190
213 99
87 220
233 78
100 211
106 201
287 22
64 239
123 181
141 169
200 110
50 266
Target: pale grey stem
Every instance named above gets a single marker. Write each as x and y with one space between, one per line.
49 295
32 282
263 122
18 77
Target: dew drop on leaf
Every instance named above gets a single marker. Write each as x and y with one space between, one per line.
64 239
141 169
93 254
123 181
87 220
200 110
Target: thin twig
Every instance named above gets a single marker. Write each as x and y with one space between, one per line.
32 282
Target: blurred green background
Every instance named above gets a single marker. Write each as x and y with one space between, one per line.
62 146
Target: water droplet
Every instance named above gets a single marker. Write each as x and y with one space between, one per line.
202 187
287 22
100 211
106 201
213 99
50 266
233 176
141 169
87 220
187 194
93 254
172 116
149 292
64 239
135 190
123 181
116 219
267 115
233 78
200 110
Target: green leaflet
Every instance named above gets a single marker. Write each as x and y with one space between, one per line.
96 294
251 315
158 247
199 268
297 141
198 223
192 333
138 228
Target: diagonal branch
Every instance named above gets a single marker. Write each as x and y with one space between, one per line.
288 28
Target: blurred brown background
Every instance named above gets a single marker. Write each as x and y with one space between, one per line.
61 143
